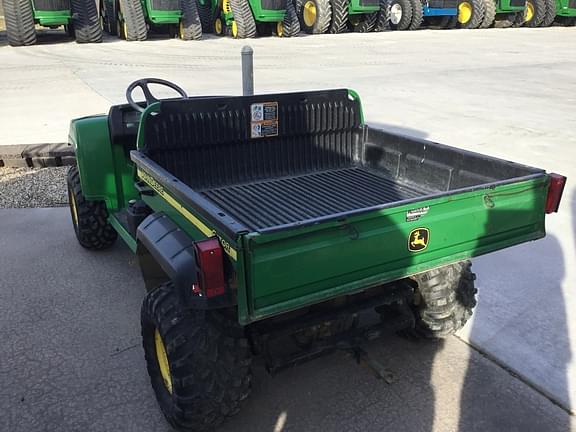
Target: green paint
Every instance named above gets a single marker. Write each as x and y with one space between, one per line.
504 7
355 8
128 239
563 9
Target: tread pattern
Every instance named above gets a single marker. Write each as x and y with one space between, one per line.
209 357
93 230
191 24
86 21
383 17
406 18
367 23
133 15
323 16
339 16
478 11
549 14
244 19
206 16
291 23
417 15
445 298
489 14
539 13
19 18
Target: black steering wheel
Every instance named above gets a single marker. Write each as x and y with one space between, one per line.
150 99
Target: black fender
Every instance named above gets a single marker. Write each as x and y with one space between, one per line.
165 252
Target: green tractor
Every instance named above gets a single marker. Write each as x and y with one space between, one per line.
249 18
133 19
79 18
339 16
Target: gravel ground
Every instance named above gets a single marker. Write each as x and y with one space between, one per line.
33 187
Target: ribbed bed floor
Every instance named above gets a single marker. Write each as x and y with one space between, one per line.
271 203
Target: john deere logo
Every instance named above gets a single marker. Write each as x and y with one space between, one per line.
418 239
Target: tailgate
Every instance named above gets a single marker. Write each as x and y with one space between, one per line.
289 269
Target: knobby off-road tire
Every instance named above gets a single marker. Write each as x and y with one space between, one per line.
417 15
190 24
383 18
443 300
90 218
539 12
550 13
206 16
245 23
86 21
339 20
366 24
489 14
207 361
291 23
134 24
322 15
400 12
19 18
478 9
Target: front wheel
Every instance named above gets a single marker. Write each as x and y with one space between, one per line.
89 218
199 362
471 13
400 13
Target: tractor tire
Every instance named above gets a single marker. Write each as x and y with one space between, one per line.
190 27
443 300
244 24
566 21
535 13
417 15
339 16
383 19
90 218
449 22
86 21
366 24
291 24
315 15
109 18
199 362
206 15
400 14
19 18
550 13
133 27
470 13
489 14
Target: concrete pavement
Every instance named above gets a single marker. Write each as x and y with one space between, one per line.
72 359
504 92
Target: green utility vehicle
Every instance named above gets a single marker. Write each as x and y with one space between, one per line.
133 19
339 16
79 18
281 225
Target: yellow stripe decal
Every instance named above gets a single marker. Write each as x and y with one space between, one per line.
208 232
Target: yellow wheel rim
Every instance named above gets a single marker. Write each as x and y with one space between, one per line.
529 12
279 29
218 26
73 208
125 29
234 29
181 30
163 361
309 14
464 12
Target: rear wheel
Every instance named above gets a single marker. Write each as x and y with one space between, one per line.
290 26
87 27
89 218
132 26
198 361
534 13
363 23
550 13
417 15
339 16
190 27
315 16
244 25
19 18
470 13
400 14
489 13
383 18
443 300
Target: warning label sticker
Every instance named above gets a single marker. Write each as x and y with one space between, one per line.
264 119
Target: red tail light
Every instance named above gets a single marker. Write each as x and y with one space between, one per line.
555 190
210 268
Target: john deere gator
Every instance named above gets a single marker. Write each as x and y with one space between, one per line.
282 226
132 20
78 17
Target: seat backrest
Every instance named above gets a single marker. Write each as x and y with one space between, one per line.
212 142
